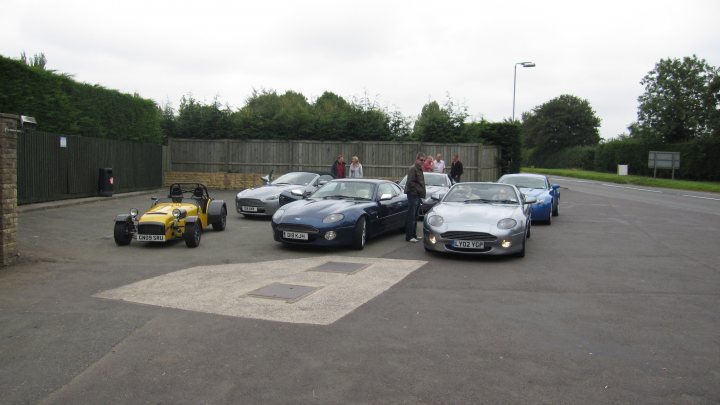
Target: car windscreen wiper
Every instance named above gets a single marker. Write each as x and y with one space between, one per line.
335 196
504 202
478 200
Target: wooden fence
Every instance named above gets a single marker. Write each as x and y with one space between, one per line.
55 167
379 159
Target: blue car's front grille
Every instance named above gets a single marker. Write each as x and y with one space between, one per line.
463 235
298 228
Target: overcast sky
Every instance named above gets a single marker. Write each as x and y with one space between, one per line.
401 54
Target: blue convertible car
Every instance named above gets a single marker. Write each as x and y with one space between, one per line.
538 186
342 212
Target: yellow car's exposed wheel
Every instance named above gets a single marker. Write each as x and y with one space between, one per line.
220 225
192 235
122 233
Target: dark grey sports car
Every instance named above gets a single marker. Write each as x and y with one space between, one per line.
264 200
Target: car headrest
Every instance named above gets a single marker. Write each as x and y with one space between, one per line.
176 192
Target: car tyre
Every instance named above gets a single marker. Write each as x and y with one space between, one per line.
521 253
556 209
122 233
220 225
360 235
192 235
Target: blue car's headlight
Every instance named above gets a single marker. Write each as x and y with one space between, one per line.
278 214
542 199
333 218
506 223
435 220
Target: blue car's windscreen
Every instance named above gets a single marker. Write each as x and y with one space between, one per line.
343 189
525 182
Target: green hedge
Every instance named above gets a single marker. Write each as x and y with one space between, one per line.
576 157
698 159
62 105
503 134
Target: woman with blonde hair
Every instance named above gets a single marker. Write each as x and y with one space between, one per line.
356 171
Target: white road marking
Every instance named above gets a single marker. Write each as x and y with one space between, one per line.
632 188
223 289
704 198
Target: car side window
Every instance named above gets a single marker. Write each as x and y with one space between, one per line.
398 190
387 188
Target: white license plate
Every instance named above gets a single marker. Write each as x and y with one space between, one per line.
295 235
248 209
468 244
151 238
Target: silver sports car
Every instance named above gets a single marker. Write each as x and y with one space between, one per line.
264 200
479 219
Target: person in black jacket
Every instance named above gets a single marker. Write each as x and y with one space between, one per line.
338 168
415 190
456 169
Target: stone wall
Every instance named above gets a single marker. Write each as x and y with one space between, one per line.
216 180
8 189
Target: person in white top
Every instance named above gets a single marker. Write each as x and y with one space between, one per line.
356 171
439 164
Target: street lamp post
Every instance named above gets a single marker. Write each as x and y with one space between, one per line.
523 64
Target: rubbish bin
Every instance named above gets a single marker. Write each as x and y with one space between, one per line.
105 182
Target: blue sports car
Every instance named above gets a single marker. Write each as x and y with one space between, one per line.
342 212
538 186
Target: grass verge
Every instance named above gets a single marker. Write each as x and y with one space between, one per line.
706 186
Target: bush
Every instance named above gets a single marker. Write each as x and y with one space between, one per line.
575 157
62 105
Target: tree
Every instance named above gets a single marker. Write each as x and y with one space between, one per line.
560 123
400 126
37 61
678 104
440 124
196 120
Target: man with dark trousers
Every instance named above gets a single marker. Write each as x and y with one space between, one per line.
415 190
338 168
456 169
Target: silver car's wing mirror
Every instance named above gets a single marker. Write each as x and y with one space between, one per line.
530 200
297 192
385 197
437 196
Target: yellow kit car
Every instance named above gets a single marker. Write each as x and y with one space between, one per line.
184 214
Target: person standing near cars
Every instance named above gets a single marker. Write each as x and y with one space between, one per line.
456 169
415 190
427 164
356 171
338 168
438 164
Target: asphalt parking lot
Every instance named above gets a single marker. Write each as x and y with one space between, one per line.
616 302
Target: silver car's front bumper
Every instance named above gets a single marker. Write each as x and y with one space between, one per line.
497 244
255 207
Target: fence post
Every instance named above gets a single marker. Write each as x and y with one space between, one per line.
8 189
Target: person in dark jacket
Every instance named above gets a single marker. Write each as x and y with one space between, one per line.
456 169
338 168
415 190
